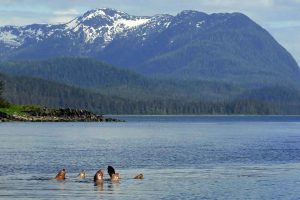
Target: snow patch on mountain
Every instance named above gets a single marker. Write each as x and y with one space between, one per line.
198 25
72 24
117 23
9 39
132 23
95 13
121 26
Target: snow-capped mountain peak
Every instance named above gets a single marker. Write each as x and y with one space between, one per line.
104 23
103 13
98 27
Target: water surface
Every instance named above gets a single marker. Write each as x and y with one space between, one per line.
182 157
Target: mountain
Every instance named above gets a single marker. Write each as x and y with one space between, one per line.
192 45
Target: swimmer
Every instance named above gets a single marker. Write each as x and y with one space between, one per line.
61 175
139 176
113 175
81 174
98 176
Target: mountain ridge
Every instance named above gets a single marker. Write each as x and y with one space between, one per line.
191 45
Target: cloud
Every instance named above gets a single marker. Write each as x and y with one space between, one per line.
284 24
68 12
62 16
19 18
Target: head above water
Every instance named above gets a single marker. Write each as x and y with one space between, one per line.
82 174
61 175
110 171
98 176
139 176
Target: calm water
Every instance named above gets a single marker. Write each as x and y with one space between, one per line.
184 157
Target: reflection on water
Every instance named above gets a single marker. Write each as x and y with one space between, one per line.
180 157
99 186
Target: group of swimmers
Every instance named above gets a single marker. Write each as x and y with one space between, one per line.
98 177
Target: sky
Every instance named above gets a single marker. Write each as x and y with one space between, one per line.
280 17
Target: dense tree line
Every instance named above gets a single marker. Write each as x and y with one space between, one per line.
3 102
144 100
110 81
24 90
1 88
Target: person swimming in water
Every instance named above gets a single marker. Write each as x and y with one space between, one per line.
61 175
139 176
113 175
81 174
98 178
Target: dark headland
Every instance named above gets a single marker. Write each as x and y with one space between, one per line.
43 114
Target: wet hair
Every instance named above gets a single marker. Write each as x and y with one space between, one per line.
110 170
96 175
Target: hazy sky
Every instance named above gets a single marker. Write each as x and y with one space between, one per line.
280 17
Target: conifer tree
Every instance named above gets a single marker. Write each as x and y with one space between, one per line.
1 88
3 102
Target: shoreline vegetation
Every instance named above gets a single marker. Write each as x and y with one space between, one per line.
32 113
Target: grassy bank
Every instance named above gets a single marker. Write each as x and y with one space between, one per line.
19 109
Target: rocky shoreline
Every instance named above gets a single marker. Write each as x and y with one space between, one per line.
55 115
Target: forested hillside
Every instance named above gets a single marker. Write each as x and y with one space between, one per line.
96 86
109 80
24 90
